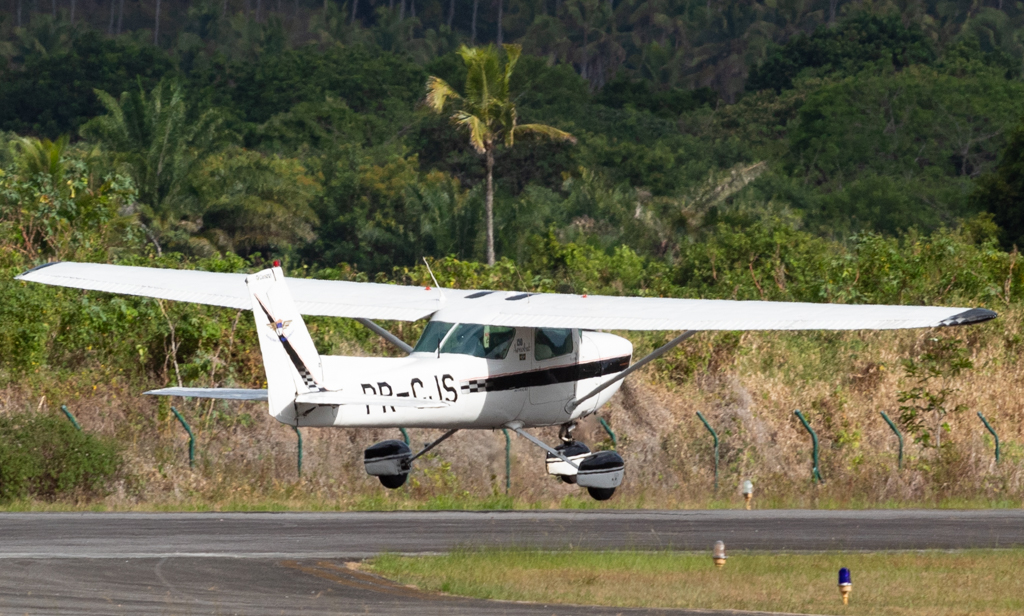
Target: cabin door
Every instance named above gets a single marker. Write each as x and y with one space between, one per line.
553 374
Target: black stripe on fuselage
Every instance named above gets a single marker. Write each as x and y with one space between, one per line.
556 375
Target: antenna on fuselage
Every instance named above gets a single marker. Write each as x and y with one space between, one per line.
437 285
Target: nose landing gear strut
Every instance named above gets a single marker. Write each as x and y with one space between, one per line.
600 472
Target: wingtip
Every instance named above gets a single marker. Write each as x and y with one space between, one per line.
22 275
969 317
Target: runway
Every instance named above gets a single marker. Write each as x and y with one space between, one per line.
275 563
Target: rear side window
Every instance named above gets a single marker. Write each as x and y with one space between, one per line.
551 342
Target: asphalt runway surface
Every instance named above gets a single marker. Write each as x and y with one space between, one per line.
288 563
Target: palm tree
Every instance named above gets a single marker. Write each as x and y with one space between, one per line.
163 145
488 112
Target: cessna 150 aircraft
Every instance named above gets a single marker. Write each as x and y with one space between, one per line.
486 360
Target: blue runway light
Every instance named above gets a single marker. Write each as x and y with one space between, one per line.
845 585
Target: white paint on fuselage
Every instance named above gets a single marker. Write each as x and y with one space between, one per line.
447 376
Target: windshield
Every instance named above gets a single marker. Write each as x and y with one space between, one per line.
486 341
432 336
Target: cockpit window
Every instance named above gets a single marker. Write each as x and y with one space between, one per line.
487 341
551 342
432 336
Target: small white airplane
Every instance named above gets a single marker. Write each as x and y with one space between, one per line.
486 360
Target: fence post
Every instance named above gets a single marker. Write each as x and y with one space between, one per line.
299 434
714 435
815 473
608 429
898 436
994 435
191 438
71 417
508 461
405 436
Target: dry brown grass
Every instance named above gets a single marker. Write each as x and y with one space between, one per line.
746 385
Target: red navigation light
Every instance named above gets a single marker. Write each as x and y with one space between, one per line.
277 263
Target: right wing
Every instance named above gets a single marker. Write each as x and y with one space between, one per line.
329 298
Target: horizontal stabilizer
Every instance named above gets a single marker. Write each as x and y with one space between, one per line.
326 398
219 393
339 398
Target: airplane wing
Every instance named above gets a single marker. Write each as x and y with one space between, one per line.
404 303
670 314
327 398
330 298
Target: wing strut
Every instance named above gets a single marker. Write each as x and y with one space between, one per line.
432 445
574 403
385 334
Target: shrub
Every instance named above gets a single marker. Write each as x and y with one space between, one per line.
43 456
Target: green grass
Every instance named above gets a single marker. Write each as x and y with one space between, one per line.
401 502
932 583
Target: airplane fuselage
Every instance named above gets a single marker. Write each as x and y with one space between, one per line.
522 380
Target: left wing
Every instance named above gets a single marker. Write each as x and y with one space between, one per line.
404 303
671 314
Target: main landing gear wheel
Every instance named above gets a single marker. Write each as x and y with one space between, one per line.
600 474
393 482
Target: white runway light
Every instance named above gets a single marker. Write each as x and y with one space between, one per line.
718 554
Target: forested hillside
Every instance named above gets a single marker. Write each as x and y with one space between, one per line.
816 151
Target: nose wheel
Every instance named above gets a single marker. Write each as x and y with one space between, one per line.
599 472
601 494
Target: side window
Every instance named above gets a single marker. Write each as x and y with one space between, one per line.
487 341
551 342
497 341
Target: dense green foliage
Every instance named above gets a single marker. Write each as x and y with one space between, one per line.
1002 192
847 49
43 456
868 119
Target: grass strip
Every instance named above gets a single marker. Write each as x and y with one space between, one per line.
932 583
